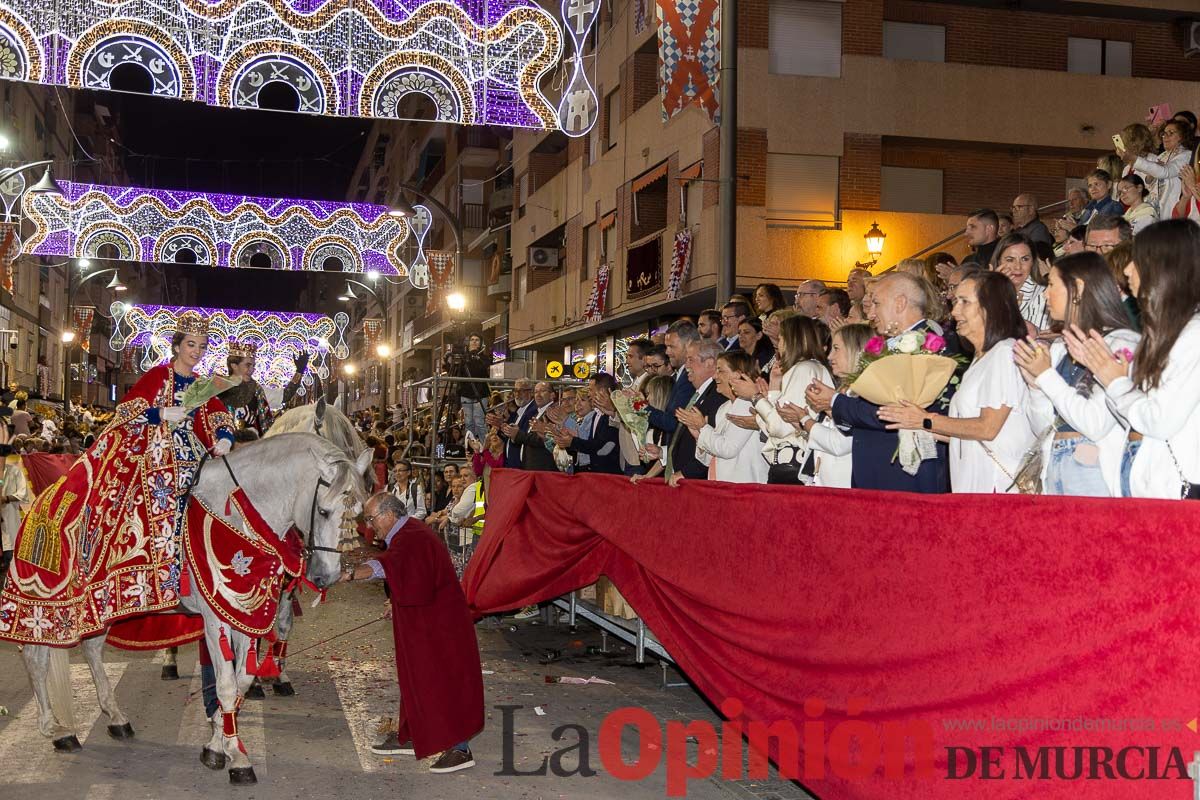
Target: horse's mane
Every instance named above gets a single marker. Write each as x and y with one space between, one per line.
336 427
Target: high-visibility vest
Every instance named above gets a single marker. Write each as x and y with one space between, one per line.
480 505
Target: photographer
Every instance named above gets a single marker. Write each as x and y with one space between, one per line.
474 363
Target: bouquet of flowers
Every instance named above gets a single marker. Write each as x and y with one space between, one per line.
204 389
634 412
911 367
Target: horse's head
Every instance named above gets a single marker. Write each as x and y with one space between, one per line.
336 496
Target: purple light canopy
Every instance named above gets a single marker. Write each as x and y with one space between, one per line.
220 230
475 62
278 336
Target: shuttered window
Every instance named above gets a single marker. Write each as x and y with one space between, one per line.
914 190
802 188
806 38
909 41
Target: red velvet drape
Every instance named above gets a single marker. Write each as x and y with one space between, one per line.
44 469
935 608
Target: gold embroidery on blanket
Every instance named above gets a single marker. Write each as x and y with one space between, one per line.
44 548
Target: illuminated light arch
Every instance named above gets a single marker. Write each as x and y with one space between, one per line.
111 43
333 247
20 55
427 73
225 224
267 61
255 242
279 335
92 238
168 245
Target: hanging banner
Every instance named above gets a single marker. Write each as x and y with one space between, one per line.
681 264
643 269
441 277
81 323
372 333
641 16
131 358
689 55
594 310
10 248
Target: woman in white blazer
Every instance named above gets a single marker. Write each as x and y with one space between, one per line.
732 453
801 360
1159 398
1082 439
1162 172
831 445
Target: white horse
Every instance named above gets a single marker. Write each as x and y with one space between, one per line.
329 423
300 481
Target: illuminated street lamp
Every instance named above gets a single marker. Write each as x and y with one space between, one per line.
874 238
383 350
457 301
349 369
67 337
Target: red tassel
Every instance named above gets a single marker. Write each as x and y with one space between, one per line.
252 660
228 508
271 636
268 668
185 584
226 650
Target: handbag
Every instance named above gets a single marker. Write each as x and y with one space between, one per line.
1187 489
1028 479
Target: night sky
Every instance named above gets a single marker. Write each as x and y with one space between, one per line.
183 145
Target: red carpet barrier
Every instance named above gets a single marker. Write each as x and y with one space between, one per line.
1000 612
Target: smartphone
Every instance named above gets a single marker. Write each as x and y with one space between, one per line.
1118 142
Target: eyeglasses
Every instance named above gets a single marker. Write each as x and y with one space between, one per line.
729 317
650 365
373 517
1100 248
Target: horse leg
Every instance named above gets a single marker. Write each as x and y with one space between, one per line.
118 724
283 628
37 664
170 668
232 681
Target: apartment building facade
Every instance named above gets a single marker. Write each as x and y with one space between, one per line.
907 114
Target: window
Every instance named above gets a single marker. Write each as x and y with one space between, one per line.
913 190
523 194
909 41
610 245
612 113
519 294
1099 57
802 188
806 38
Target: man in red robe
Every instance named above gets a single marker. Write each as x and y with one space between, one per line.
437 655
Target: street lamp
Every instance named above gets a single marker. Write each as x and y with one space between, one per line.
72 287
874 238
457 301
383 350
349 369
68 337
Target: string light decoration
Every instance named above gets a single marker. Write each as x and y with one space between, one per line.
220 230
481 62
278 335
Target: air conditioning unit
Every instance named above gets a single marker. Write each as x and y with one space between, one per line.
412 300
1194 39
543 258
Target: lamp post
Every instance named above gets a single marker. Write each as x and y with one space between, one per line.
348 296
384 351
874 238
68 335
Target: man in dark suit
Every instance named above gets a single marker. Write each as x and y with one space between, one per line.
533 453
526 409
702 369
899 307
732 315
679 336
596 447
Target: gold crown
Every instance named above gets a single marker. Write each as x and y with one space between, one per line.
242 349
190 323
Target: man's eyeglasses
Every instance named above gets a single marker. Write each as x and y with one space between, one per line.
371 518
652 365
1100 248
729 318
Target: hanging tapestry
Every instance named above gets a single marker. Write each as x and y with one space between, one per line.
689 55
10 248
640 16
372 332
441 277
681 264
594 311
81 323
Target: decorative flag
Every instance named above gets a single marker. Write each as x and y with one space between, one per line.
81 323
689 55
640 16
10 248
681 264
131 357
372 332
441 277
594 310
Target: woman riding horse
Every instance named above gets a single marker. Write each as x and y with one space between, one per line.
104 538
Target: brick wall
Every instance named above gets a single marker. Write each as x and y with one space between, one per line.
1001 37
543 167
858 171
753 23
976 176
862 27
639 80
751 167
712 166
573 245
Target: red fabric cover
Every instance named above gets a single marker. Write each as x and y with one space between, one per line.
155 631
43 469
437 655
933 607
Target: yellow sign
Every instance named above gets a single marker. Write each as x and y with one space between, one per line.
554 369
582 369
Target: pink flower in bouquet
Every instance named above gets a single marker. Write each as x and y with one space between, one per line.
933 343
874 346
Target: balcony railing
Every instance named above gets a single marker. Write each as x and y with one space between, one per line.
477 137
